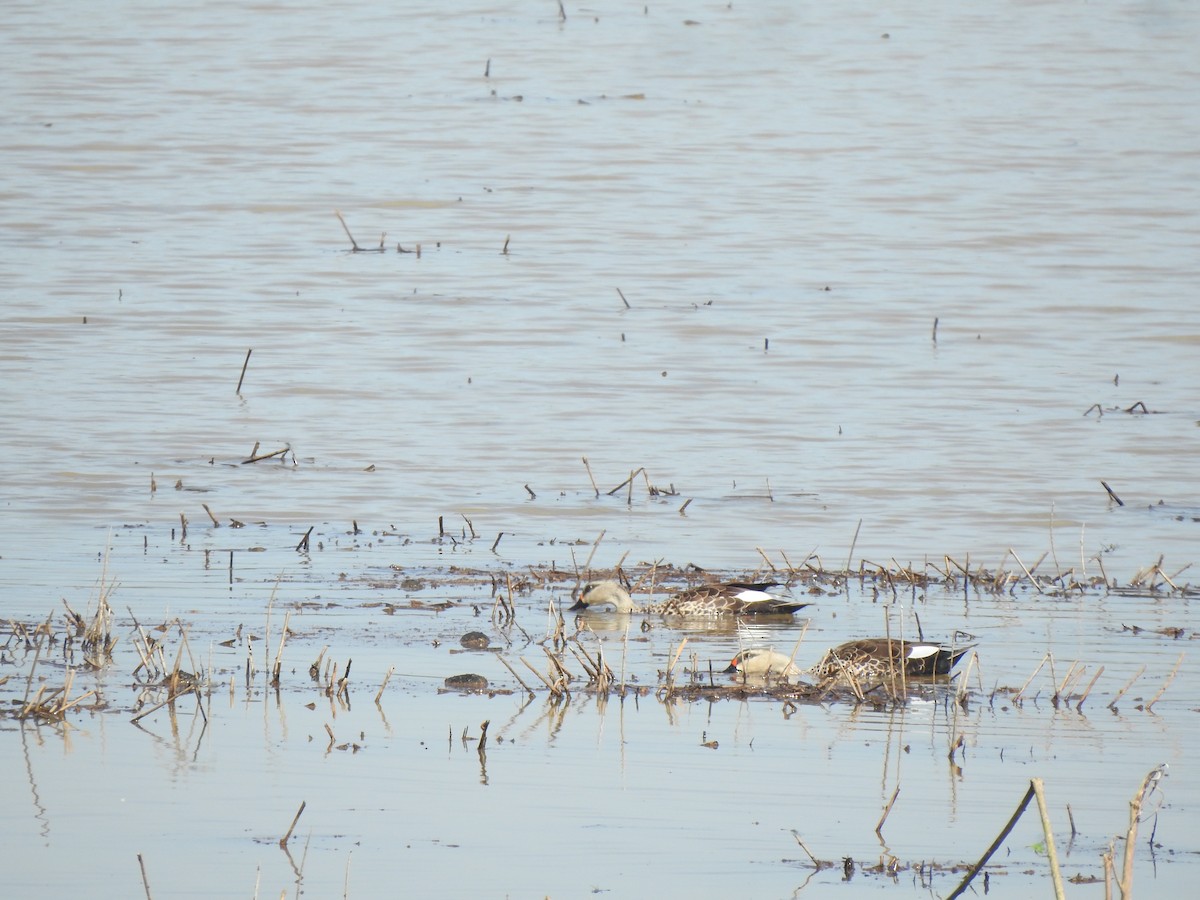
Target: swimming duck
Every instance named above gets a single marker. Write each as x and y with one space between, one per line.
727 599
760 662
877 656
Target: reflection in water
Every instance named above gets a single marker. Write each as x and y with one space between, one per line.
39 811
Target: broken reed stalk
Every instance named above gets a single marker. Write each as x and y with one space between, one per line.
807 853
622 296
145 879
528 689
766 559
961 693
796 647
1111 493
243 376
1166 684
587 566
386 678
542 677
887 810
302 547
1121 693
592 479
853 542
1017 695
303 803
275 670
675 659
346 228
1149 785
1028 573
255 456
987 854
627 481
1055 874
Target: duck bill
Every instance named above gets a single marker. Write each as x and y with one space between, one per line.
579 604
728 669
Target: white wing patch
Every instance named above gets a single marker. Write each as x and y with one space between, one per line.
922 651
748 596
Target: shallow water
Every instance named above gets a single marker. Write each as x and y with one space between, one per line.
898 284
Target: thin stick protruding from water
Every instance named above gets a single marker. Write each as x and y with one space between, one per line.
853 542
1166 684
623 300
243 376
346 228
1004 832
386 678
1121 693
887 810
807 852
587 466
1055 874
145 880
283 840
1111 493
528 689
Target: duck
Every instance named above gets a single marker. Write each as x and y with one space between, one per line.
729 598
763 663
876 656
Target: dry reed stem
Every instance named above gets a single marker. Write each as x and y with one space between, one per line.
853 543
1149 706
587 566
243 375
591 478
275 670
961 693
1121 693
675 659
346 228
386 678
887 811
1004 832
1018 696
796 835
259 458
1091 684
628 481
303 803
1055 874
528 689
1149 786
1061 691
588 666
145 879
1028 572
540 676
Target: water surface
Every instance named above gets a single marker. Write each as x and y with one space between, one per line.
883 286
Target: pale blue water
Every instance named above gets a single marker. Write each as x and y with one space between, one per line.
1025 175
